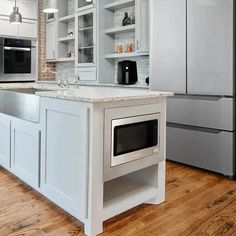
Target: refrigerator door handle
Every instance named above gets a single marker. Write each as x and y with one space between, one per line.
195 128
199 97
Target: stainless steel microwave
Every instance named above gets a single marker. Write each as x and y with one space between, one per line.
133 139
17 60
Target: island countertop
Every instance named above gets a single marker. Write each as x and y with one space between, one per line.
91 94
103 94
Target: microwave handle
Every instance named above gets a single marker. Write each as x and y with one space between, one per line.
17 49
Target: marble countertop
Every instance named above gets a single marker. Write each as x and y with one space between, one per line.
96 94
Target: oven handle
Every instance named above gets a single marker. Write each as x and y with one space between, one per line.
17 49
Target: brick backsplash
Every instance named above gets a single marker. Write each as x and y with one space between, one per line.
42 64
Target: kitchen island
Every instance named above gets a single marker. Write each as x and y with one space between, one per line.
72 155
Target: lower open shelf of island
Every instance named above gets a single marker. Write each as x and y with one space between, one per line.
124 193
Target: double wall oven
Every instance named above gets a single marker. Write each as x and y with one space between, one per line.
17 60
133 139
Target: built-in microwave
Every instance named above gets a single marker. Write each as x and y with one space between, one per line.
132 141
134 138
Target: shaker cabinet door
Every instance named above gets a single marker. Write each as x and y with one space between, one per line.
64 163
25 153
28 29
7 29
51 41
142 25
168 45
5 130
210 47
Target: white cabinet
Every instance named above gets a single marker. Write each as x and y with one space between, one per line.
84 5
28 8
142 25
64 165
28 29
7 29
5 141
51 37
86 73
168 45
85 25
25 152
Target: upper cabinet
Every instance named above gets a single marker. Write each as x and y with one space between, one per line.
84 5
168 45
28 8
27 29
210 47
86 38
51 37
142 25
29 12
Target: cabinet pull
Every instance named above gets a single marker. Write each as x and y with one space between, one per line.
138 46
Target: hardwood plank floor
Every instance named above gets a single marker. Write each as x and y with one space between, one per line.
198 203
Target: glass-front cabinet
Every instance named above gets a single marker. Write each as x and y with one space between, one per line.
85 4
86 38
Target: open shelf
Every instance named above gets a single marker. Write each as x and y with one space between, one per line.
123 193
120 29
123 55
119 4
66 39
65 59
67 18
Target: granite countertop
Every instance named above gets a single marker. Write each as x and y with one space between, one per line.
96 94
103 94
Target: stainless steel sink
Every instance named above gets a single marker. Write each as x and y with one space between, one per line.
26 90
21 103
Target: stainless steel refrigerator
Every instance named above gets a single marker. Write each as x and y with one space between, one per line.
192 53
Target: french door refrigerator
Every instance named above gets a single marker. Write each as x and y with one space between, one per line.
192 53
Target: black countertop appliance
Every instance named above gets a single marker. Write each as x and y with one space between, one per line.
127 72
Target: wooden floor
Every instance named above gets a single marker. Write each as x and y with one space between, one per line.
198 203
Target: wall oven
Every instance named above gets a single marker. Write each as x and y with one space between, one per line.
132 140
17 60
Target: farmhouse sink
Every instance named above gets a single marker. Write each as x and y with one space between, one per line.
21 103
26 90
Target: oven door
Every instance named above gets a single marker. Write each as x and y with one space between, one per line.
134 138
17 60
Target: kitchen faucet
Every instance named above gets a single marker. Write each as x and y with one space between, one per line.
62 82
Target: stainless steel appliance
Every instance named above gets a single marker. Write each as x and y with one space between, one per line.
22 103
133 139
195 58
127 72
17 60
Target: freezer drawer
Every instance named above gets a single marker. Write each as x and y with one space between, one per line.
209 112
207 149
